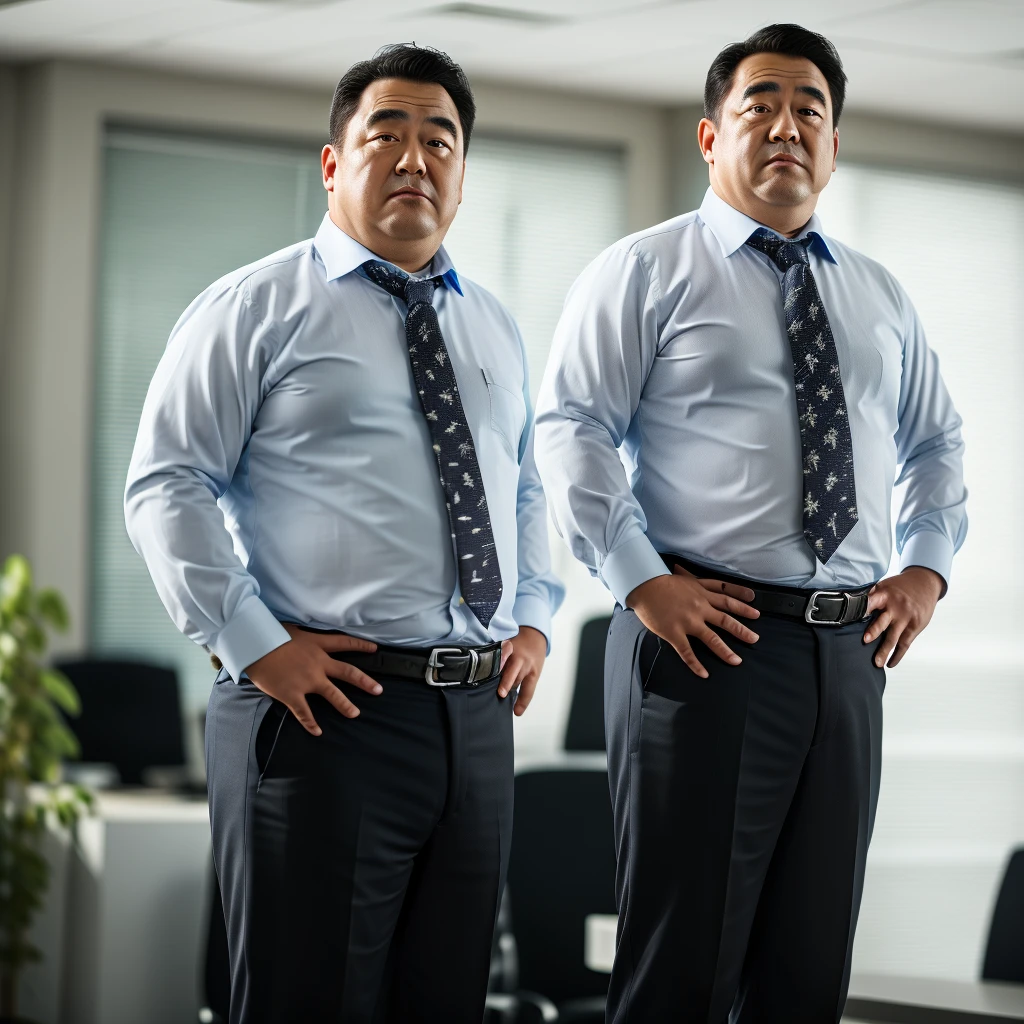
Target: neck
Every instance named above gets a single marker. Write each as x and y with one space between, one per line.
410 255
786 220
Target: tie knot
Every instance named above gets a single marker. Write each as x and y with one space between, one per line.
783 252
400 284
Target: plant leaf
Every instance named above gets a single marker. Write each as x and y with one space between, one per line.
52 609
63 694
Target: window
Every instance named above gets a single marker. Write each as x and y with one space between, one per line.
952 799
179 212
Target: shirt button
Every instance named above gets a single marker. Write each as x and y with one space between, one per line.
462 600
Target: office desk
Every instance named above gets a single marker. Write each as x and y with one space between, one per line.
894 1000
873 999
136 891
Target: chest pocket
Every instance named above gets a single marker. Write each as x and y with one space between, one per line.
508 409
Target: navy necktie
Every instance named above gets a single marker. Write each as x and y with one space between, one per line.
830 497
452 440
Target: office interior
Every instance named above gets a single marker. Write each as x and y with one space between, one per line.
148 148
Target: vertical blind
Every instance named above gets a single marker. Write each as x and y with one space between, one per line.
179 212
952 799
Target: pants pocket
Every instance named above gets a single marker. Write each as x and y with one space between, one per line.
267 736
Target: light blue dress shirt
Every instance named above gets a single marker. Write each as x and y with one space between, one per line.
667 417
283 468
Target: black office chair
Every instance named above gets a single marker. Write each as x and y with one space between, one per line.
561 869
585 729
1004 956
131 715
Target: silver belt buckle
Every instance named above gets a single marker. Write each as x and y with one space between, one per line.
433 662
812 607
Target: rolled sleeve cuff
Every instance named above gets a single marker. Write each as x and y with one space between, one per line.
530 610
932 550
628 566
251 633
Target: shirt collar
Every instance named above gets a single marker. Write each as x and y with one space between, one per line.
341 254
732 228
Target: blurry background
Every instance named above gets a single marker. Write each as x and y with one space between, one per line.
149 146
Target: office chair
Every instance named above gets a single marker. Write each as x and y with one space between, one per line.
1004 956
562 868
131 715
585 728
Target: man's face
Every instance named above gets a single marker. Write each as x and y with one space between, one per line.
395 181
775 144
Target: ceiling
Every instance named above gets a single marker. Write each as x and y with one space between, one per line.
955 61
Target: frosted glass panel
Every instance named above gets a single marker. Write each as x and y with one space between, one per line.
952 799
533 216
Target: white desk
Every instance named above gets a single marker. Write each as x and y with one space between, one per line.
879 999
136 892
893 1000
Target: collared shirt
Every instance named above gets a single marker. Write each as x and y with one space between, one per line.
283 469
667 419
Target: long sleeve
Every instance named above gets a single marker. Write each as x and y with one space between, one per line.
539 593
932 522
195 425
603 349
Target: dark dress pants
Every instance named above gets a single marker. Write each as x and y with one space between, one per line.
743 807
361 870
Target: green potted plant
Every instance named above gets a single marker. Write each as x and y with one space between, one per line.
33 741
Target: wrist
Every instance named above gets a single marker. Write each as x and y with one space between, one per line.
933 579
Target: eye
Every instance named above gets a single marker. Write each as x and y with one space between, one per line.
810 112
440 143
384 137
759 108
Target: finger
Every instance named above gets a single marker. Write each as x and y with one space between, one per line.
350 674
878 627
341 703
877 598
527 688
506 651
906 639
738 630
511 674
731 604
685 651
300 709
678 570
342 642
729 589
718 646
889 642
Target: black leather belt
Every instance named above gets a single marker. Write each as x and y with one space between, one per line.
817 607
436 666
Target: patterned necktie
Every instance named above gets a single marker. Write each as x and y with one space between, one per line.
830 497
479 573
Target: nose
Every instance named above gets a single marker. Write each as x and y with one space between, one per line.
785 128
411 161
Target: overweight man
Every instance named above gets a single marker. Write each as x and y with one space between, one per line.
334 489
765 386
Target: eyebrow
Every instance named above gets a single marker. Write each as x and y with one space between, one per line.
397 114
762 87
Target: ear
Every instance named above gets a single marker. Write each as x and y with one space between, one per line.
835 147
329 166
706 140
462 178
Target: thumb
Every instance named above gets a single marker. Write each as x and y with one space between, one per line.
876 599
678 570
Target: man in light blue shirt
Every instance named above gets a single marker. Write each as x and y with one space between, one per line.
730 399
335 492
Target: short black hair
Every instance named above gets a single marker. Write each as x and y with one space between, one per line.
788 40
409 61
